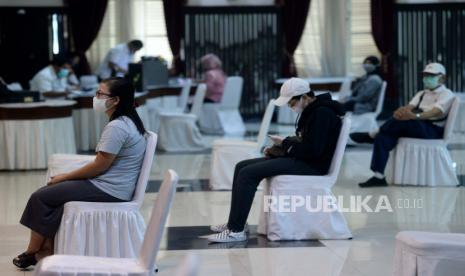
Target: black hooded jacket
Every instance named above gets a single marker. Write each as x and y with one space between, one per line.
318 127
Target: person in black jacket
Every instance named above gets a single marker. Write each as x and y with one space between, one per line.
308 153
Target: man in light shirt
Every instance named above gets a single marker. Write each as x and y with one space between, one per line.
116 61
56 77
424 117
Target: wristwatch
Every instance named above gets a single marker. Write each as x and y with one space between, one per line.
418 116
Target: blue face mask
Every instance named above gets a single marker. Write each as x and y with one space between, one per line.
431 82
63 73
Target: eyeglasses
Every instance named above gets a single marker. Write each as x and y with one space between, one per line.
99 93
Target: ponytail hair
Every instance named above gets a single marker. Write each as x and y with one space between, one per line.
122 88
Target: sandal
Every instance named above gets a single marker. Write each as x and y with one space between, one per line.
25 260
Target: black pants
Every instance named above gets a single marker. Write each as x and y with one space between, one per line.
392 130
44 208
349 105
247 176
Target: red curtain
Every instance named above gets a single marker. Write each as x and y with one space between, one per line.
85 18
293 19
174 21
382 28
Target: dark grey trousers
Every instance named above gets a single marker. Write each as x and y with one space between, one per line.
247 176
44 208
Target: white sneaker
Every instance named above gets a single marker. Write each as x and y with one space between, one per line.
228 236
221 227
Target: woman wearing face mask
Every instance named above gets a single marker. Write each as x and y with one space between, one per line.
309 152
367 88
111 177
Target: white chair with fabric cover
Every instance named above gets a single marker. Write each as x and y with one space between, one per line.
167 104
429 254
106 229
424 162
144 265
179 131
366 122
303 224
228 152
224 118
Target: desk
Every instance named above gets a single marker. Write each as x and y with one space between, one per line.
31 132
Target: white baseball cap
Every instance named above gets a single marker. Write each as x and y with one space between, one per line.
291 88
435 68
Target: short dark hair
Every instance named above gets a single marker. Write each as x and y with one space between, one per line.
60 61
137 44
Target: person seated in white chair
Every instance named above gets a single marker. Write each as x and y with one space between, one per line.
56 77
424 117
366 90
310 152
111 177
214 78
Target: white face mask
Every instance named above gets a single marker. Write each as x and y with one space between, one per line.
100 104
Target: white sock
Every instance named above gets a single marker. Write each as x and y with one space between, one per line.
379 175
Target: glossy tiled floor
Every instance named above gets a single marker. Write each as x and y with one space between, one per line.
370 252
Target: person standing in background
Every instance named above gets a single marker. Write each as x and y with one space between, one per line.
116 61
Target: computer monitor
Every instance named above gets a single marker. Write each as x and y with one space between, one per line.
148 74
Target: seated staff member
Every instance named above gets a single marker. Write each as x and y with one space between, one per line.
214 78
308 153
367 88
56 77
424 117
111 177
116 61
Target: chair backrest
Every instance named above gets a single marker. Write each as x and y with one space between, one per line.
156 225
198 100
340 147
451 117
382 95
265 125
145 169
232 93
345 91
189 266
186 89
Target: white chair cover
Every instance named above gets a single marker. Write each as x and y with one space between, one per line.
224 118
65 265
366 122
178 131
27 144
175 104
424 162
105 229
303 224
227 153
429 254
460 124
189 266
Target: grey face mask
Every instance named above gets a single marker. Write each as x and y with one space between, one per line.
368 67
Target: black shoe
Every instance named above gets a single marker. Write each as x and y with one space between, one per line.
25 260
373 182
362 137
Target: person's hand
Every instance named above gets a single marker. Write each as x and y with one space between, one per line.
57 179
266 151
277 140
400 113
